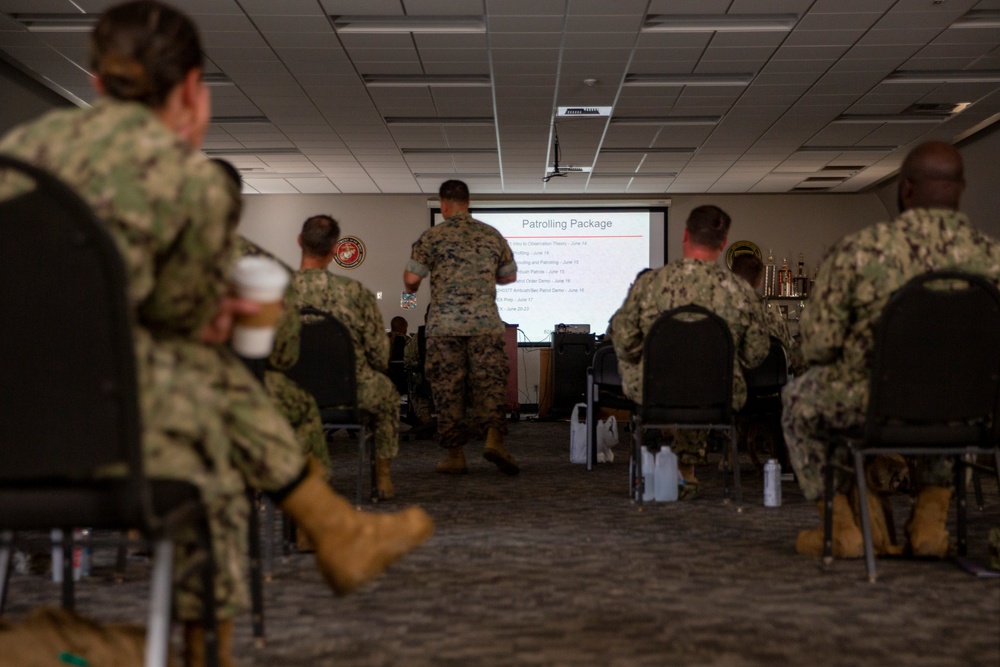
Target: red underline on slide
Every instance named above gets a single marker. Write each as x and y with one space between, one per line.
634 236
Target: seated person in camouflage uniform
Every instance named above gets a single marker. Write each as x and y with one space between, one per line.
855 281
355 307
134 158
695 279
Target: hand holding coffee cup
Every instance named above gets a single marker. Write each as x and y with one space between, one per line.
263 281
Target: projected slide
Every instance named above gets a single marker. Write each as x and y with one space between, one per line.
573 267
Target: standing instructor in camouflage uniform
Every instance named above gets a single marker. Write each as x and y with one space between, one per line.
355 307
134 158
695 279
466 362
854 283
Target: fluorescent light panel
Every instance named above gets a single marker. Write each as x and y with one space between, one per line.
409 24
719 23
239 119
416 80
436 120
583 112
568 170
665 120
687 80
944 76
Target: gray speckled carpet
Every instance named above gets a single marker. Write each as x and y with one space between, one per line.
558 567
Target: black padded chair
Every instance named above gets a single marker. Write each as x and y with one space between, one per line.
761 414
687 383
326 370
934 387
604 389
70 405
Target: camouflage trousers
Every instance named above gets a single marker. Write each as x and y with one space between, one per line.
299 407
468 376
207 421
379 401
821 400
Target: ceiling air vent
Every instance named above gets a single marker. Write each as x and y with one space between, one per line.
583 112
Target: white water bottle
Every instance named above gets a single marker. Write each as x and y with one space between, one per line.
772 483
666 475
648 474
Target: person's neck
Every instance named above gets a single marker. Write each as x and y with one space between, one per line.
310 262
702 253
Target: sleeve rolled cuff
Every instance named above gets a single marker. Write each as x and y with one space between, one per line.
413 266
506 270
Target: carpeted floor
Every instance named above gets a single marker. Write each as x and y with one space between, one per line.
558 567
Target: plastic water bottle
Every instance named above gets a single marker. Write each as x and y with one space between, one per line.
772 483
648 474
666 475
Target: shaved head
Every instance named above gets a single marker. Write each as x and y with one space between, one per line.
932 176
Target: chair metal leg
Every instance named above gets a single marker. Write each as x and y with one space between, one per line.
866 523
361 466
638 482
66 545
961 501
268 565
591 422
828 511
977 488
256 573
209 620
161 590
6 550
736 469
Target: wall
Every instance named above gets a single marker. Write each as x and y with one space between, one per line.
389 224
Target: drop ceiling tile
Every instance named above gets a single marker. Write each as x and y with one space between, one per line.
747 39
849 6
270 185
845 21
362 7
303 40
599 40
459 41
688 7
798 53
914 37
279 10
673 40
532 40
525 24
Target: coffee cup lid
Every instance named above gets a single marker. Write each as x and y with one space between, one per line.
259 273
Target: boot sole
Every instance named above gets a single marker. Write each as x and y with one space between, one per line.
505 465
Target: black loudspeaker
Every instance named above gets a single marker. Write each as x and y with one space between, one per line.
572 354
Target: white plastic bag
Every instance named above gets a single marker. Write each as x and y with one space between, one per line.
578 434
607 437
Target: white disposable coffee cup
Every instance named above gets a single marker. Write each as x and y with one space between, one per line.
262 280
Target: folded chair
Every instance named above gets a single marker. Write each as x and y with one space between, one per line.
326 370
687 383
934 387
70 408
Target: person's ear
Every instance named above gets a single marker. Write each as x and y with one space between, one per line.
300 240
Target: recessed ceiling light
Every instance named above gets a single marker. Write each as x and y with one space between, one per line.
445 151
666 120
56 22
719 23
439 120
639 149
583 112
409 24
979 18
442 80
687 79
944 76
847 149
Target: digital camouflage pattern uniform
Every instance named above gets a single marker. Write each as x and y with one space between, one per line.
205 419
355 306
295 403
466 361
837 327
681 283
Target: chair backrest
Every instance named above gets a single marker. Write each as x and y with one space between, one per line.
69 400
936 361
326 361
772 373
687 368
605 365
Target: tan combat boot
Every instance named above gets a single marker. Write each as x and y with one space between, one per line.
454 464
882 542
352 547
495 452
847 539
926 528
194 644
383 481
